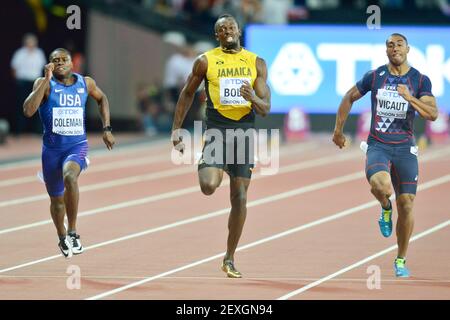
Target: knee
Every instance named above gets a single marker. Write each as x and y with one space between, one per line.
70 179
405 206
208 188
239 200
57 206
381 186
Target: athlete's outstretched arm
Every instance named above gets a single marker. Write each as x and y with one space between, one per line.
344 109
95 92
260 96
187 94
40 91
425 105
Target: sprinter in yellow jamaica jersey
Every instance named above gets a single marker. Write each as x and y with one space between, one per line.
236 88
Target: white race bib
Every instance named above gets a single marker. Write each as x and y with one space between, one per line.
68 121
230 91
390 104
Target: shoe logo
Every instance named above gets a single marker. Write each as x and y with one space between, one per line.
58 90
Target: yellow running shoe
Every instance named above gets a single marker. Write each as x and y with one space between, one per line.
230 270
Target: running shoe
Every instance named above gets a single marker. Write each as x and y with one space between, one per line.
75 242
385 221
400 269
65 247
230 270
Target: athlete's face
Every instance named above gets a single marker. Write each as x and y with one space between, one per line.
228 33
62 62
397 50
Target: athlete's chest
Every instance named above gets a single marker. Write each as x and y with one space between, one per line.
230 66
391 83
389 102
60 97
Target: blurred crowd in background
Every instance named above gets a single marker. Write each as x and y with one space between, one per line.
273 11
155 102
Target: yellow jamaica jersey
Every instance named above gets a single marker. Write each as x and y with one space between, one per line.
224 78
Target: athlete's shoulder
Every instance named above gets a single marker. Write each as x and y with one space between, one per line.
212 55
249 53
89 82
378 72
381 70
87 79
213 52
200 65
422 81
80 78
38 81
416 73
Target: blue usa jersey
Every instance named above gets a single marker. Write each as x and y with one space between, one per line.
392 116
63 114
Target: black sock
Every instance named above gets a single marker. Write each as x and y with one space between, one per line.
62 238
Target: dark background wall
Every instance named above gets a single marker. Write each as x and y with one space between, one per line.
17 18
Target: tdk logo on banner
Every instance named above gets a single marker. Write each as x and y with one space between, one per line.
313 66
296 69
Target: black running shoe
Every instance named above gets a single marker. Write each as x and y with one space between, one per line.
65 247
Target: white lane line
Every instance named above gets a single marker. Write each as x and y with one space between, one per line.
363 261
180 192
220 212
94 168
332 217
289 279
171 172
179 171
280 196
144 146
203 217
16 181
145 160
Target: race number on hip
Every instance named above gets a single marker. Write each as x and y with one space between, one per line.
391 105
230 91
68 121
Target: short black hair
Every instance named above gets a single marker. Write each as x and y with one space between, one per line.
60 50
224 16
398 35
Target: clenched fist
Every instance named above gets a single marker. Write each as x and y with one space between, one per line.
48 69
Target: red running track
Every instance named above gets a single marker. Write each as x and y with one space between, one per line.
149 233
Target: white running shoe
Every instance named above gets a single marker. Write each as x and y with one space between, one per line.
75 243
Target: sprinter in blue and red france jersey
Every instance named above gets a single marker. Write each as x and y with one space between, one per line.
398 91
60 97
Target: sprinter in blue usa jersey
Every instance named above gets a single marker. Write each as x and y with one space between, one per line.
60 97
398 91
